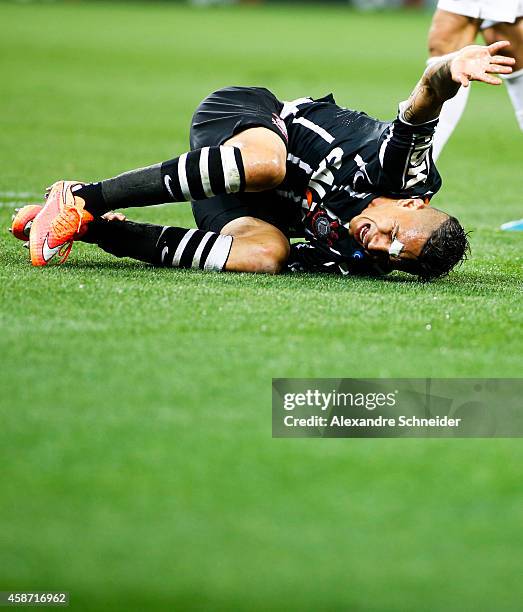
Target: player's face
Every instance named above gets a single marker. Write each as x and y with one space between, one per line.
407 221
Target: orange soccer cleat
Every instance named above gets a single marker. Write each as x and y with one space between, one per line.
23 220
57 225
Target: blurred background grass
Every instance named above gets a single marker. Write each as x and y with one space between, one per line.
136 456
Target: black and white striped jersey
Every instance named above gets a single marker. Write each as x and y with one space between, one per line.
339 160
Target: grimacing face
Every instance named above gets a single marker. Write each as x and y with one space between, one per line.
411 221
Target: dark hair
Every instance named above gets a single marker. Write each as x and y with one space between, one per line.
446 247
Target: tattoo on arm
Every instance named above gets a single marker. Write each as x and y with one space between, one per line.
433 90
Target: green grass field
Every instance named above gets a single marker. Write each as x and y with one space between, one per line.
137 467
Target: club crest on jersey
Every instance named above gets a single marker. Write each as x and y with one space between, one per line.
280 124
322 227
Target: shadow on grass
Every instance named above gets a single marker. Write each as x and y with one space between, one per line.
295 279
116 264
461 282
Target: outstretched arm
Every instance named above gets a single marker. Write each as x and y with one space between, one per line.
441 81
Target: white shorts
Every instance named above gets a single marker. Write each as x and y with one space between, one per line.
506 11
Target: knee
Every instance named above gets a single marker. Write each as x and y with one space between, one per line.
270 258
264 156
266 173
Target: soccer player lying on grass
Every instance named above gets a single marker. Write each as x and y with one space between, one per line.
261 171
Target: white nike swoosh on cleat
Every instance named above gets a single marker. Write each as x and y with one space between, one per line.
49 252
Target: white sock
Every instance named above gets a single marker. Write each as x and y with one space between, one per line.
514 84
449 116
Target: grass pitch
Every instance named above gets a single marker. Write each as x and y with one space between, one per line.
136 460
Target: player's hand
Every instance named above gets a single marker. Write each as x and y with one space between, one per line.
477 63
114 216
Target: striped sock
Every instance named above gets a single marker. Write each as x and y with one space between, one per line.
204 173
182 248
175 247
196 175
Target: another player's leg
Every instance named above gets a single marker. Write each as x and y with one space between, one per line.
448 33
513 32
256 163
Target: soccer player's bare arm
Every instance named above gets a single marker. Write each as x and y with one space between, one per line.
442 80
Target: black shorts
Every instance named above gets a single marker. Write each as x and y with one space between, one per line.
221 116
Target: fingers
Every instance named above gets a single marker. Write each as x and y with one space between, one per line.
497 69
503 59
485 78
497 46
463 79
114 216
